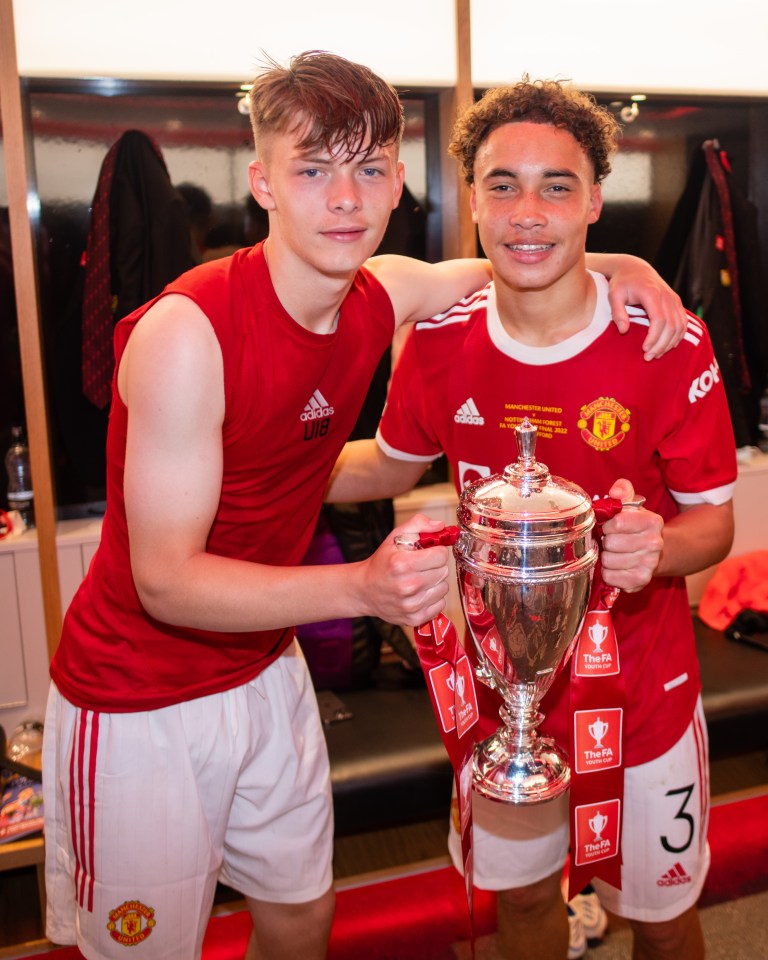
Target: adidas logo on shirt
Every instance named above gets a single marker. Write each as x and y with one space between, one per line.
673 877
316 408
468 413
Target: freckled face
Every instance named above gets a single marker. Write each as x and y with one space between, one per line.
329 210
533 198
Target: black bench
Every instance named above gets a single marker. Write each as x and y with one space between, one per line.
389 766
734 680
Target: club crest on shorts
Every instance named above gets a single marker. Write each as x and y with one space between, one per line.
603 423
131 922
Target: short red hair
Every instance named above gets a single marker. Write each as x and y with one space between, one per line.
338 103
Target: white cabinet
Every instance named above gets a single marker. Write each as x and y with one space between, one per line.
23 647
750 518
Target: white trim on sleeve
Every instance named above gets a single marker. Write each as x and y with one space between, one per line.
716 496
401 454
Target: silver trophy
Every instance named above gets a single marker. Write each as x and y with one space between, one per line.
525 558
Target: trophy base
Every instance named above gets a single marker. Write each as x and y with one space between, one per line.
534 775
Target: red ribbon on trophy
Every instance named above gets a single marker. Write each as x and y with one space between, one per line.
451 684
598 701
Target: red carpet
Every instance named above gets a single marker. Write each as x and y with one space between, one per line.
738 838
420 916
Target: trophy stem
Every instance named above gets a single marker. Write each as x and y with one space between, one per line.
516 765
519 729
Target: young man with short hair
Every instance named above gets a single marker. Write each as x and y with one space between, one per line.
538 342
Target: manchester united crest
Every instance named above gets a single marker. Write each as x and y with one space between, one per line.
603 423
131 922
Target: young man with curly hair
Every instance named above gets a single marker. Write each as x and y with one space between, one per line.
538 342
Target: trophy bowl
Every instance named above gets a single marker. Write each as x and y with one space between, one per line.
524 559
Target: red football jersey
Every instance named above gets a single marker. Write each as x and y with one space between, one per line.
292 398
602 412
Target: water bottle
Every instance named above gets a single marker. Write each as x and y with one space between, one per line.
25 744
20 477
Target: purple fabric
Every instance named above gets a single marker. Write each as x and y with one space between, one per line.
327 645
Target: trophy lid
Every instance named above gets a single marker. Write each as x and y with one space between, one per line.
525 502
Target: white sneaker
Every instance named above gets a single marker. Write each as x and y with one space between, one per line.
577 941
594 919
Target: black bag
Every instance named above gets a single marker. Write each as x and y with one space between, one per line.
750 626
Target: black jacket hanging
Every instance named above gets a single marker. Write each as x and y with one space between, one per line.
142 218
149 246
710 254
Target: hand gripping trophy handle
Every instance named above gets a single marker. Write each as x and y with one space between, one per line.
637 504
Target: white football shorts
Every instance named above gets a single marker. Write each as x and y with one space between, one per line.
144 812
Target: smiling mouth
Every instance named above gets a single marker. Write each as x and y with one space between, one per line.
529 247
344 231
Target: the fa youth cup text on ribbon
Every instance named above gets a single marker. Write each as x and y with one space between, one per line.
597 704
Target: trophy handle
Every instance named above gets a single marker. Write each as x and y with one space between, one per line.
637 504
483 671
446 537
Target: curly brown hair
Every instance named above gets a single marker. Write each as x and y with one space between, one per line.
344 105
538 101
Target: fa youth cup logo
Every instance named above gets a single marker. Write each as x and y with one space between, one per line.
597 634
454 695
493 650
597 832
597 824
597 739
466 705
460 687
597 651
597 731
456 685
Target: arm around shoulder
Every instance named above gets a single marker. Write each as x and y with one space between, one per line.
419 290
633 282
364 472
